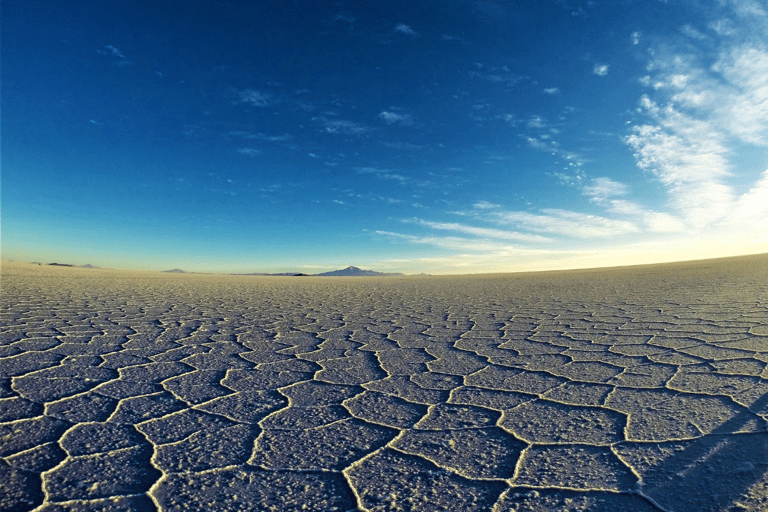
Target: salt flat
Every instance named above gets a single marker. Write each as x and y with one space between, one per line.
632 389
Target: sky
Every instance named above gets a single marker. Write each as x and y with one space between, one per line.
438 137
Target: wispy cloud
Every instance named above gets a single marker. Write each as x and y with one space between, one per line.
343 16
707 99
400 145
246 135
567 223
653 221
114 51
395 176
751 208
723 27
693 33
456 243
383 173
485 233
542 136
542 142
574 179
391 117
255 97
371 170
552 227
551 91
405 29
341 126
602 189
249 151
536 122
689 157
703 106
609 194
497 75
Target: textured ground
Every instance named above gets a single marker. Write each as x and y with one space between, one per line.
639 389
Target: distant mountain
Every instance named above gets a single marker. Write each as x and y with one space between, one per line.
349 271
290 274
61 264
354 271
88 265
175 271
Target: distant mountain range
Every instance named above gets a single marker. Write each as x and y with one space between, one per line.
354 271
87 265
278 274
349 271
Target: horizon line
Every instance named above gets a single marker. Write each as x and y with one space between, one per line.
177 270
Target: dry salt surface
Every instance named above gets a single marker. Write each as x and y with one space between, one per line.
630 389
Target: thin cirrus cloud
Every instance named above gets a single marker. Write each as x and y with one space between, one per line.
457 243
601 189
750 208
405 29
607 193
536 122
246 135
530 228
341 126
653 221
255 98
498 76
384 174
390 117
700 109
485 205
488 233
566 223
114 51
400 145
343 16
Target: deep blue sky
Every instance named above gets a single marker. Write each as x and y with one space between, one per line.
441 137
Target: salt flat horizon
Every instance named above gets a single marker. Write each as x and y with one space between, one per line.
639 388
595 267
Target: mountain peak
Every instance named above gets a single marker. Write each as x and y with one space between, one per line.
355 271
